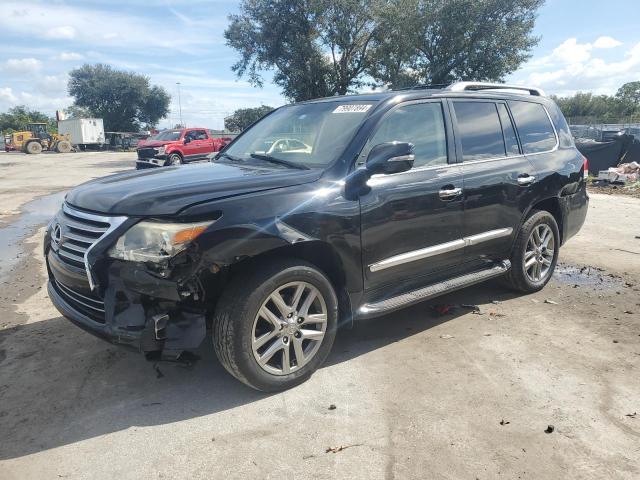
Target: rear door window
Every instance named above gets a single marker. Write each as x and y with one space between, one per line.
510 139
534 127
480 130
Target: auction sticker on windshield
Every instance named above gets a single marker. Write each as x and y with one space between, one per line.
354 108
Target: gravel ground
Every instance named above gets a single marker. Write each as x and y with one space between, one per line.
465 395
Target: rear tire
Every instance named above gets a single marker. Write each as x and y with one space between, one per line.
273 346
535 253
33 148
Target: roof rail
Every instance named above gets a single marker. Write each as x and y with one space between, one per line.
470 86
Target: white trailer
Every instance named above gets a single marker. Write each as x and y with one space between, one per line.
83 131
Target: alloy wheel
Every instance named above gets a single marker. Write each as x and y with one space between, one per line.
538 256
289 328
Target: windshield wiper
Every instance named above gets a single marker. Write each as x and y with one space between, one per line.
278 161
230 157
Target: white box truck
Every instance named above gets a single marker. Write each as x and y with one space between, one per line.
83 131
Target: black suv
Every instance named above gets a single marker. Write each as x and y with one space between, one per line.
381 201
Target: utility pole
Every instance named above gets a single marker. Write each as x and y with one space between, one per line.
180 104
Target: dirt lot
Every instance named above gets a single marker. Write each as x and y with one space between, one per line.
416 394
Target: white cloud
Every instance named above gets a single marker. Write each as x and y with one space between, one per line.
52 84
606 42
22 65
574 66
64 32
570 51
91 27
7 96
69 56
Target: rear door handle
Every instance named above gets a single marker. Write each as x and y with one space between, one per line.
450 193
526 179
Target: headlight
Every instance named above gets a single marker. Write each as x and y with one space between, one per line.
161 150
150 241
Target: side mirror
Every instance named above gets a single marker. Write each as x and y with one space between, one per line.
187 140
390 157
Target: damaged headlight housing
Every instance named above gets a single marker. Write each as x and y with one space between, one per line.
156 242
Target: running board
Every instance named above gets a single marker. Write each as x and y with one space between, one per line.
380 308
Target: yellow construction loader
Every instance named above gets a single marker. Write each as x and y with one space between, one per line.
36 139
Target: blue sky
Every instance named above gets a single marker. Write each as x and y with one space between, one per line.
585 45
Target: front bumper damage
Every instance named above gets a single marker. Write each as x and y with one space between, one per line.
132 307
151 162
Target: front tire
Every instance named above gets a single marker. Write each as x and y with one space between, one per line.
275 325
174 159
535 253
63 146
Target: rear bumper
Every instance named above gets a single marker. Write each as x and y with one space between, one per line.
574 212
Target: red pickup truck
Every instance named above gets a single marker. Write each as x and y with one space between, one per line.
177 146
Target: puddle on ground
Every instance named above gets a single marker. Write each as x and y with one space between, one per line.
585 276
33 214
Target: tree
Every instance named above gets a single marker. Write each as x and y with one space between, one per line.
243 117
125 101
17 118
584 107
471 39
332 47
629 97
74 111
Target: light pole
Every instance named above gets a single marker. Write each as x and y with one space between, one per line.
180 104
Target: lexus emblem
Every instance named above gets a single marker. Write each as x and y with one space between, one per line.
56 235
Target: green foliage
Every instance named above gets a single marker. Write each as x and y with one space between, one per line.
584 107
243 117
17 118
77 112
320 48
124 100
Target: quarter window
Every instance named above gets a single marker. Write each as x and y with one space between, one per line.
480 130
421 124
534 127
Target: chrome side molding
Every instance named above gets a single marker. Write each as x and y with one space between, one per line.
439 249
406 299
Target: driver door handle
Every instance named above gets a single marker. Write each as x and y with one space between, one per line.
449 193
526 179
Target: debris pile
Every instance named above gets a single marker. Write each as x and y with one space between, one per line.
624 173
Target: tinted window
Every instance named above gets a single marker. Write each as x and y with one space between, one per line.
200 135
421 124
480 130
535 129
510 139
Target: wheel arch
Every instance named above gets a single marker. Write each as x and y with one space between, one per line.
315 252
553 206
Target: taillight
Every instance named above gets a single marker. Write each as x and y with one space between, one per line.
585 166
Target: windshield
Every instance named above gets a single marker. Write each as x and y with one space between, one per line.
170 135
309 135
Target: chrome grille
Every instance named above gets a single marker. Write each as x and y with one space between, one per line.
78 231
74 233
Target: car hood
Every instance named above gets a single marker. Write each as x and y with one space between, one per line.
168 190
154 143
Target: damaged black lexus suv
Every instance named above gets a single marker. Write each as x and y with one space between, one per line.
320 214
